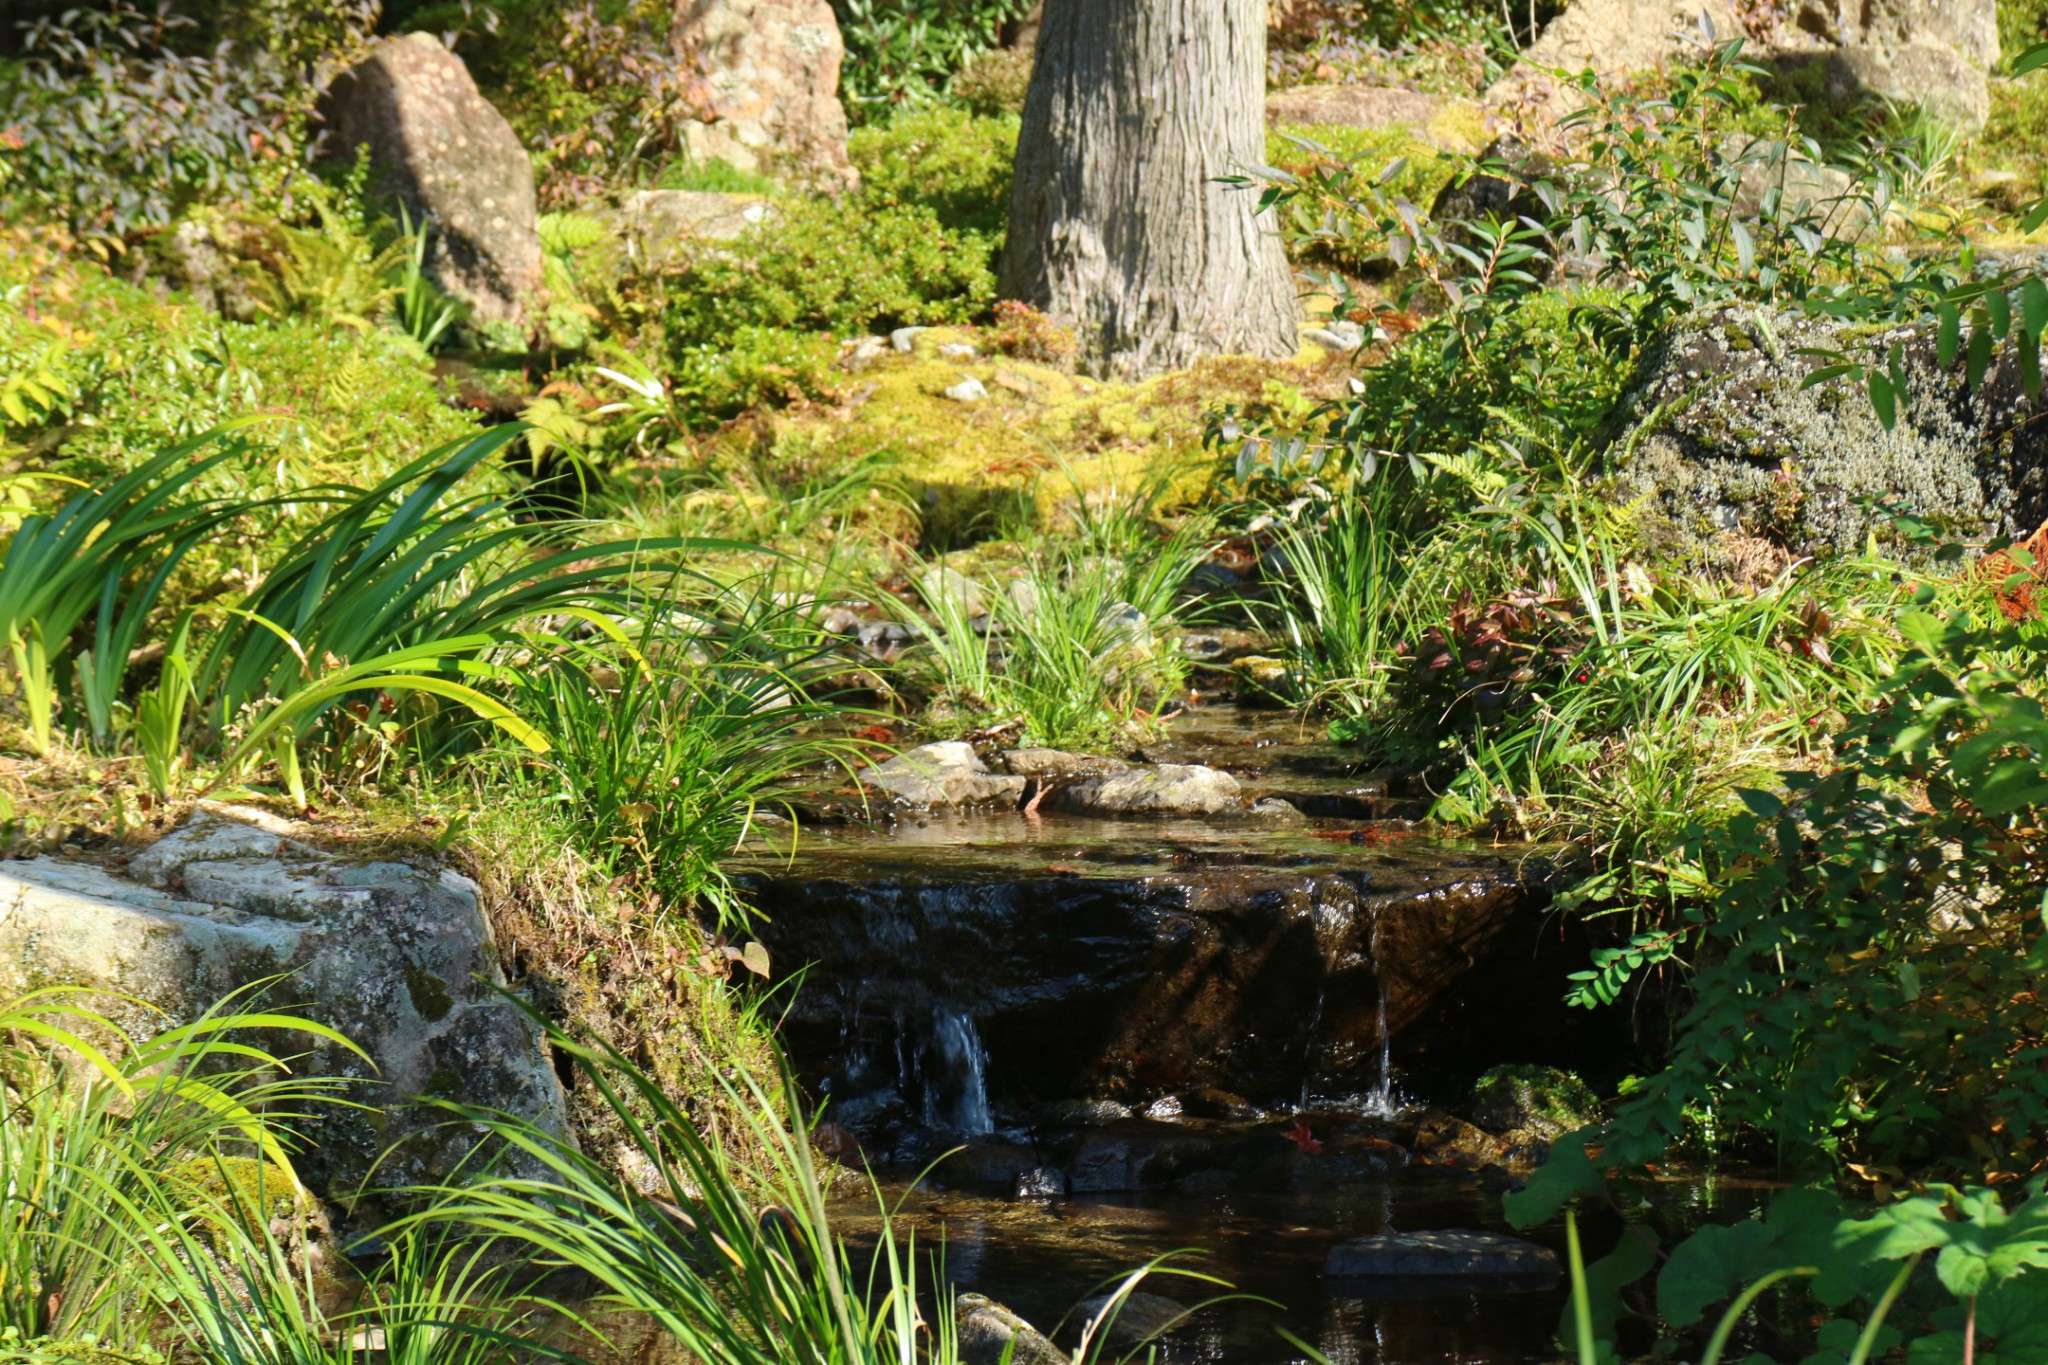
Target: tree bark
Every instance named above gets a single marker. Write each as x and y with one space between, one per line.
1117 227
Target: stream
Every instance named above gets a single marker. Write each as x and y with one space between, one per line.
1146 1034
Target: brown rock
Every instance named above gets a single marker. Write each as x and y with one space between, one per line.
773 70
452 160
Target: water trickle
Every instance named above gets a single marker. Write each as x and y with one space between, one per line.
956 1075
1381 1099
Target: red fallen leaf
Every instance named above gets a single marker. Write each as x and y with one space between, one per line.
1301 1137
876 734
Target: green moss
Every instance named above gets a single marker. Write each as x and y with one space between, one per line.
1540 1101
1011 461
429 993
251 1192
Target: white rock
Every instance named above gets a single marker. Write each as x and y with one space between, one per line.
968 390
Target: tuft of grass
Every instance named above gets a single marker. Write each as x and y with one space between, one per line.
671 746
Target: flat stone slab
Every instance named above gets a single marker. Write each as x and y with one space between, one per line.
1450 1252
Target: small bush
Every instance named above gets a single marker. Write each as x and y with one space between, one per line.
952 162
1022 331
838 267
994 83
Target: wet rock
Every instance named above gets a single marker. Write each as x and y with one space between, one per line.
1180 975
1056 763
1084 1113
836 1142
1211 1102
1130 1323
1532 1102
1446 1140
396 957
454 162
883 639
990 1334
988 1163
1165 1107
1211 1181
1261 678
1163 789
1453 1252
1275 809
1040 1184
772 68
1107 1163
945 774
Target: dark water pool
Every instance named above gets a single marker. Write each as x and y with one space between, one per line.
1042 1259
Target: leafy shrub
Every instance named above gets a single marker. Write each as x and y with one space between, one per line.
833 266
906 51
119 116
993 83
954 163
139 373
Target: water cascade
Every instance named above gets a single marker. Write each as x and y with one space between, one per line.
956 1076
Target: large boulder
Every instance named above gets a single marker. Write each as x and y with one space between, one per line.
453 161
396 957
773 70
1614 38
1933 53
1740 465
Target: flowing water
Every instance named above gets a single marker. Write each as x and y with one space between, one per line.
1155 1034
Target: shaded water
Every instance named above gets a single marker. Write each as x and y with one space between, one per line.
1041 1259
1164 1034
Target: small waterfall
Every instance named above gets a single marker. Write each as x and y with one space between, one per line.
1381 1099
956 1075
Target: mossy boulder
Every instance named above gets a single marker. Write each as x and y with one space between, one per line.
1725 445
1525 1101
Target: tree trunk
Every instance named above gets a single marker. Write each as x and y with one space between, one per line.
1117 227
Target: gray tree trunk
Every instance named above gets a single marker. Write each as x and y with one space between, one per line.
1117 227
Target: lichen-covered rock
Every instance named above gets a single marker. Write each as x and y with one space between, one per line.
453 161
773 70
398 958
1161 789
1727 448
1933 53
990 1334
